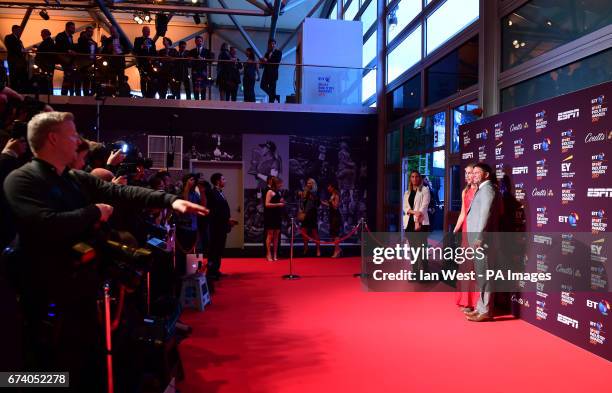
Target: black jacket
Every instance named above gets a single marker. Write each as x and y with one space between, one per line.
53 212
141 50
219 211
44 54
270 71
14 48
63 43
203 53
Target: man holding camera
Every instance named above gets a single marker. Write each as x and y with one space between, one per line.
56 208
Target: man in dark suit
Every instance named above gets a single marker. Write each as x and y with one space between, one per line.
64 44
144 46
45 60
483 217
88 47
199 68
270 70
182 71
220 224
16 58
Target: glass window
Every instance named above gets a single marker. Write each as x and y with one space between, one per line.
406 98
456 180
369 49
334 12
435 129
368 85
454 72
393 148
369 16
392 217
373 105
462 115
404 56
581 74
542 25
422 135
400 16
431 167
449 19
392 185
351 11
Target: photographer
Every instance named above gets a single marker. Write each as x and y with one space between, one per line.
56 208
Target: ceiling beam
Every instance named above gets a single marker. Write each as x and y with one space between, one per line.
262 7
243 32
293 4
275 13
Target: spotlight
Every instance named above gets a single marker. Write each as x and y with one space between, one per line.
515 42
161 24
549 23
393 19
196 19
138 19
509 23
522 44
147 18
194 1
43 14
105 63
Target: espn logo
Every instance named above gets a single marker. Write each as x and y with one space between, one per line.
599 193
467 155
567 321
520 170
568 114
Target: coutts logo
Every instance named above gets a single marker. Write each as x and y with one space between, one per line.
590 137
518 127
542 192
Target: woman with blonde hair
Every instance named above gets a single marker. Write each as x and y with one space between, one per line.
467 297
416 216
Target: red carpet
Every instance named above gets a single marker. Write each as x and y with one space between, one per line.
323 333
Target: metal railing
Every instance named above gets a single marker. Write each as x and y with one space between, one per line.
176 77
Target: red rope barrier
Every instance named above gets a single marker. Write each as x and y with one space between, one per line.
351 233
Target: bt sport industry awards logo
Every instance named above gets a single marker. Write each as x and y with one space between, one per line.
499 170
596 332
599 278
571 219
567 298
466 138
598 221
519 148
568 194
541 216
568 140
599 108
541 314
598 165
499 132
519 191
482 153
540 121
541 169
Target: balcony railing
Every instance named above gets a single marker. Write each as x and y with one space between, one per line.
172 77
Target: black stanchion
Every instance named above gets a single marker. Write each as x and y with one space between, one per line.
291 276
362 228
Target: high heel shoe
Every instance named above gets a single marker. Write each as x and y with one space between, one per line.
337 255
269 258
318 253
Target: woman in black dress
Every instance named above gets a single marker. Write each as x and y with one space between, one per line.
273 208
309 204
335 219
251 74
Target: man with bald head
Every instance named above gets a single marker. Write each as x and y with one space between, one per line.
144 46
56 208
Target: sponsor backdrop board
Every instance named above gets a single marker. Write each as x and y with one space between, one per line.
553 158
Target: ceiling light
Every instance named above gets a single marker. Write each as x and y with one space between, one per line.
549 23
147 18
509 23
515 42
522 44
194 1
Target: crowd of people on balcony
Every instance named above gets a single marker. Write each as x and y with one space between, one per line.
92 68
